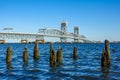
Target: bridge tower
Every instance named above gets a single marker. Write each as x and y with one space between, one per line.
64 29
76 32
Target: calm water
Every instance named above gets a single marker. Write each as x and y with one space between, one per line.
87 67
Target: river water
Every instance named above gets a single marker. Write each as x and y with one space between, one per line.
86 67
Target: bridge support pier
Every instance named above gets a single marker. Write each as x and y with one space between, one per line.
40 41
76 40
2 41
24 41
63 39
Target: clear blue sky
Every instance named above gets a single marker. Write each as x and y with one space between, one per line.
97 19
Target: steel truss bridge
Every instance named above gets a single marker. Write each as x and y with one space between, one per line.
47 32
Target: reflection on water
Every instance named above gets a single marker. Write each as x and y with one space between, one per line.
86 67
25 64
9 65
105 73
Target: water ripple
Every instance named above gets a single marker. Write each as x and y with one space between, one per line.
87 67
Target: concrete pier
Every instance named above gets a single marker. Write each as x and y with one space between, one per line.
2 41
24 41
40 41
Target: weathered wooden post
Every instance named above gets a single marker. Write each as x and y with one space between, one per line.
75 53
52 58
59 56
36 52
25 55
9 54
105 60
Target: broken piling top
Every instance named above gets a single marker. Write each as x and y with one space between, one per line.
36 46
107 48
9 54
9 49
51 47
59 56
105 60
53 58
25 54
36 52
75 53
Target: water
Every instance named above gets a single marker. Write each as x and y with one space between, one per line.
87 67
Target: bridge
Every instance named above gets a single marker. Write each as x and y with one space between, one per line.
63 34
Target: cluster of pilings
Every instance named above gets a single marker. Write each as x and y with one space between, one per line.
53 57
36 54
57 57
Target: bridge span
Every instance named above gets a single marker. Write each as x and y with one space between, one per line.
63 34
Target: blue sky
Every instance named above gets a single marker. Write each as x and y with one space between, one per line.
97 19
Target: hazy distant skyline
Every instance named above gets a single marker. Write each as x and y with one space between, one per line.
97 19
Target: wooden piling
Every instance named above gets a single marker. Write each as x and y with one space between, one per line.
107 49
9 54
52 58
105 60
25 55
75 53
36 52
59 56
